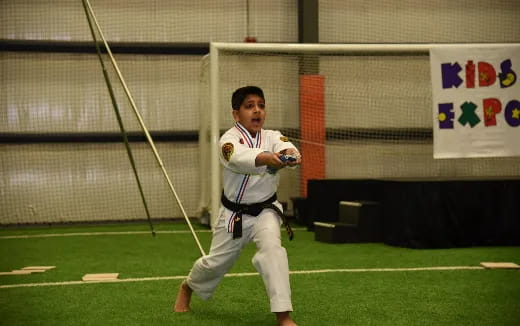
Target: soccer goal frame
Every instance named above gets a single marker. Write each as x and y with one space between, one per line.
209 136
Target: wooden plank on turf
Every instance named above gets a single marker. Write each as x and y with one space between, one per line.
100 277
38 268
16 272
499 265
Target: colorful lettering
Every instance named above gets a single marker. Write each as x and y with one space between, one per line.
450 75
492 106
470 74
486 74
468 114
512 113
446 116
507 76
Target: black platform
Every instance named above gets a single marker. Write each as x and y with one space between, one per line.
426 214
358 221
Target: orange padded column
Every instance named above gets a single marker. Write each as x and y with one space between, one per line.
312 126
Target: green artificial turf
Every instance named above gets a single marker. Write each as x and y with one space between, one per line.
430 297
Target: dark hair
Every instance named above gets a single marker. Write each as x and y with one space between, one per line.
240 95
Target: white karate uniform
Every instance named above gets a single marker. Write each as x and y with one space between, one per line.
247 184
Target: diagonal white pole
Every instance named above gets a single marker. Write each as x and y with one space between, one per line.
148 137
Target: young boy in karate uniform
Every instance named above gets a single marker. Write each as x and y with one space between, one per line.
250 210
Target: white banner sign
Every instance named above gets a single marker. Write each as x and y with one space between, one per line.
476 100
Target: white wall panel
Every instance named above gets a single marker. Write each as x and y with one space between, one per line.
151 21
44 183
418 21
67 92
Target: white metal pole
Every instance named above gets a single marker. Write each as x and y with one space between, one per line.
214 134
141 123
352 49
204 147
349 49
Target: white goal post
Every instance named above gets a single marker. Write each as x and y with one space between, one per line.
392 80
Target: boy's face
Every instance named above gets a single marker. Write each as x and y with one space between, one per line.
251 114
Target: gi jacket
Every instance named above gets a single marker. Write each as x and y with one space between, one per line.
243 181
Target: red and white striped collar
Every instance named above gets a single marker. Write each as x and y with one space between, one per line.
252 142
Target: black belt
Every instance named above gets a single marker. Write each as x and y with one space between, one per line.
254 210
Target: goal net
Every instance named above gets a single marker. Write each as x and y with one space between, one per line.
355 112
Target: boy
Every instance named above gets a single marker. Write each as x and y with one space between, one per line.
249 212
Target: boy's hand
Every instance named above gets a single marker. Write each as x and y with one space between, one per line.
270 159
288 157
294 156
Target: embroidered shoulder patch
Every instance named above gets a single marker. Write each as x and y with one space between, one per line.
284 139
227 151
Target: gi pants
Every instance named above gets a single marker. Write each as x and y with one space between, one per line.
270 259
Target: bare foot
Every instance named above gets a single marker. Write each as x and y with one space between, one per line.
284 319
182 304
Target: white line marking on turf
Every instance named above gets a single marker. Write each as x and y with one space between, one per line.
403 269
181 277
51 235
